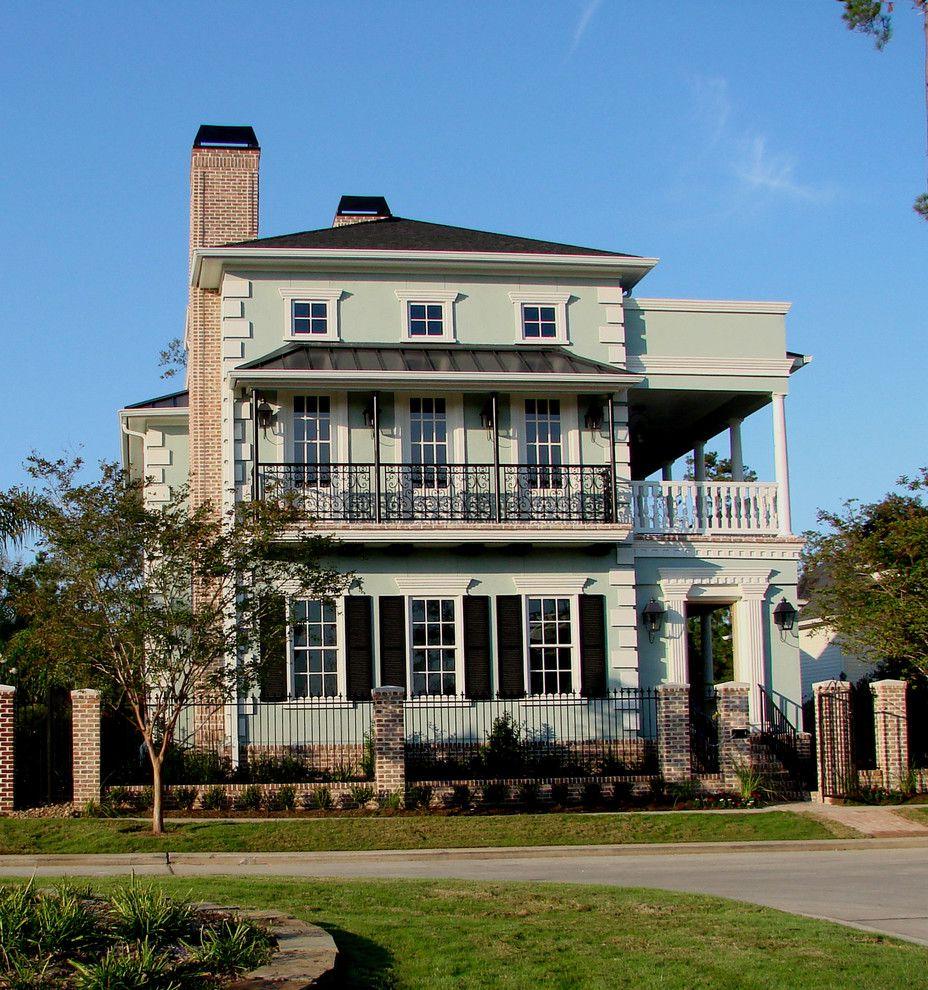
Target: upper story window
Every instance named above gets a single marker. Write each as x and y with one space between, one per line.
310 312
541 316
428 313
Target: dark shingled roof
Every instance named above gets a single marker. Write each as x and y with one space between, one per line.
400 234
176 400
449 358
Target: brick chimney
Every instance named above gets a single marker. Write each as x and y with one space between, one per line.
360 209
223 209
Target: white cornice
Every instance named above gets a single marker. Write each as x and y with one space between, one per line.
768 551
685 364
711 306
426 293
433 584
549 584
310 291
529 295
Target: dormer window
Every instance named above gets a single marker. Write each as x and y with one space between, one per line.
310 312
428 313
541 316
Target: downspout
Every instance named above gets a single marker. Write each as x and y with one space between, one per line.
140 436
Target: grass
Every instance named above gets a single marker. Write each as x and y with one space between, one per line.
34 836
396 934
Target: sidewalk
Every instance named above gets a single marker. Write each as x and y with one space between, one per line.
872 821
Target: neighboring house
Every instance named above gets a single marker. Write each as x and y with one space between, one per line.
486 422
822 658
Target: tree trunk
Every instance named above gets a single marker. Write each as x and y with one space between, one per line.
157 805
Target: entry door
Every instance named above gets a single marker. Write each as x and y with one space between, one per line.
428 439
543 444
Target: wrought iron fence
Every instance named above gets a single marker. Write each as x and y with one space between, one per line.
42 747
917 718
329 492
779 733
704 732
549 735
250 741
557 493
863 729
437 492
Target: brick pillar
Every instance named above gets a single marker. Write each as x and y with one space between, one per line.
891 731
674 753
85 734
389 740
7 699
833 752
733 708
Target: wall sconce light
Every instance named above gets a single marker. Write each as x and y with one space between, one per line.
369 415
593 419
265 414
486 416
784 616
652 615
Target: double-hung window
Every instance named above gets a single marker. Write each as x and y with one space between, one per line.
428 442
434 645
550 645
312 439
543 443
313 649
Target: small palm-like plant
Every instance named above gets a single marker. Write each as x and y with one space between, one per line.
123 968
231 947
145 914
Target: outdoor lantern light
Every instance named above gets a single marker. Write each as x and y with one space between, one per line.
784 616
369 415
652 616
265 414
486 416
593 419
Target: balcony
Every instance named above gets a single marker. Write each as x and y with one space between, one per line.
468 493
484 494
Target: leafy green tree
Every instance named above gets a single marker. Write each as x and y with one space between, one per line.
717 468
866 575
163 605
173 358
875 18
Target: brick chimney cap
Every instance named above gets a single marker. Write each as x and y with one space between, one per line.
219 136
375 206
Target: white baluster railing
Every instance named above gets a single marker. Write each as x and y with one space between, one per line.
705 507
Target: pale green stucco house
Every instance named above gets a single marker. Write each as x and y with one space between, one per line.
487 423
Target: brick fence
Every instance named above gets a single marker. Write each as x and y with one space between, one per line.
7 715
389 740
85 730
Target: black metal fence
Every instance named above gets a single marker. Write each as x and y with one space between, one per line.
325 739
917 712
863 730
42 747
704 731
536 736
781 737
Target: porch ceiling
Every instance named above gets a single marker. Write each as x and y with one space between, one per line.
665 424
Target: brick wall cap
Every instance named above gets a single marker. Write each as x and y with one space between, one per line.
888 684
85 693
733 686
672 687
7 689
824 687
387 691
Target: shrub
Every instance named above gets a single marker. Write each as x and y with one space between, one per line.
143 913
361 794
196 766
123 969
495 794
592 794
214 798
318 799
612 766
342 773
658 788
419 796
503 753
622 792
528 793
752 783
390 800
184 797
121 797
233 946
458 797
145 799
286 796
268 768
62 923
683 791
271 801
249 798
368 758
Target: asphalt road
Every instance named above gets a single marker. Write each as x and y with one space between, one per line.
881 888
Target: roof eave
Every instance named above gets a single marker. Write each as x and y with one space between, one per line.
209 263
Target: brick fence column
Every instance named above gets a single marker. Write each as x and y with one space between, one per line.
891 731
85 735
674 753
7 700
389 740
833 753
733 708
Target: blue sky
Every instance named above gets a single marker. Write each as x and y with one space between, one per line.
760 150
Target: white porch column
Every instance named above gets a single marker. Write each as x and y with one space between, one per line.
699 461
667 471
781 463
749 647
675 634
737 458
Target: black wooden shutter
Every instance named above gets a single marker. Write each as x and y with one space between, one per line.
477 646
359 647
272 644
593 646
509 646
393 641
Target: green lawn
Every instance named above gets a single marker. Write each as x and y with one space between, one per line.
413 832
448 934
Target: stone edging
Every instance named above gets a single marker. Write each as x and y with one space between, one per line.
305 953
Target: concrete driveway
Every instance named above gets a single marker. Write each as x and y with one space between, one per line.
878 885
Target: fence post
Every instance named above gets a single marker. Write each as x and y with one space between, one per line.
833 732
389 740
85 734
674 752
7 742
890 731
733 708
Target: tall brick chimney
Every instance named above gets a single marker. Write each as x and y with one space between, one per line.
360 209
223 209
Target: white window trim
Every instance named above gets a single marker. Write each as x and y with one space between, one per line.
338 406
558 300
458 643
570 427
574 640
340 657
311 293
442 297
454 419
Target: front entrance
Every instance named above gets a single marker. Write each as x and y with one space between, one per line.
709 661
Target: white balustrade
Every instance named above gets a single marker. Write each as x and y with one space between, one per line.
705 507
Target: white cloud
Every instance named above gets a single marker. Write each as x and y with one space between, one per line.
586 15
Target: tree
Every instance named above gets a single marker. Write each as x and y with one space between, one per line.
173 358
866 574
874 18
717 468
163 604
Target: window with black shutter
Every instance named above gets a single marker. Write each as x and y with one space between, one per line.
593 678
393 641
359 647
477 646
509 646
